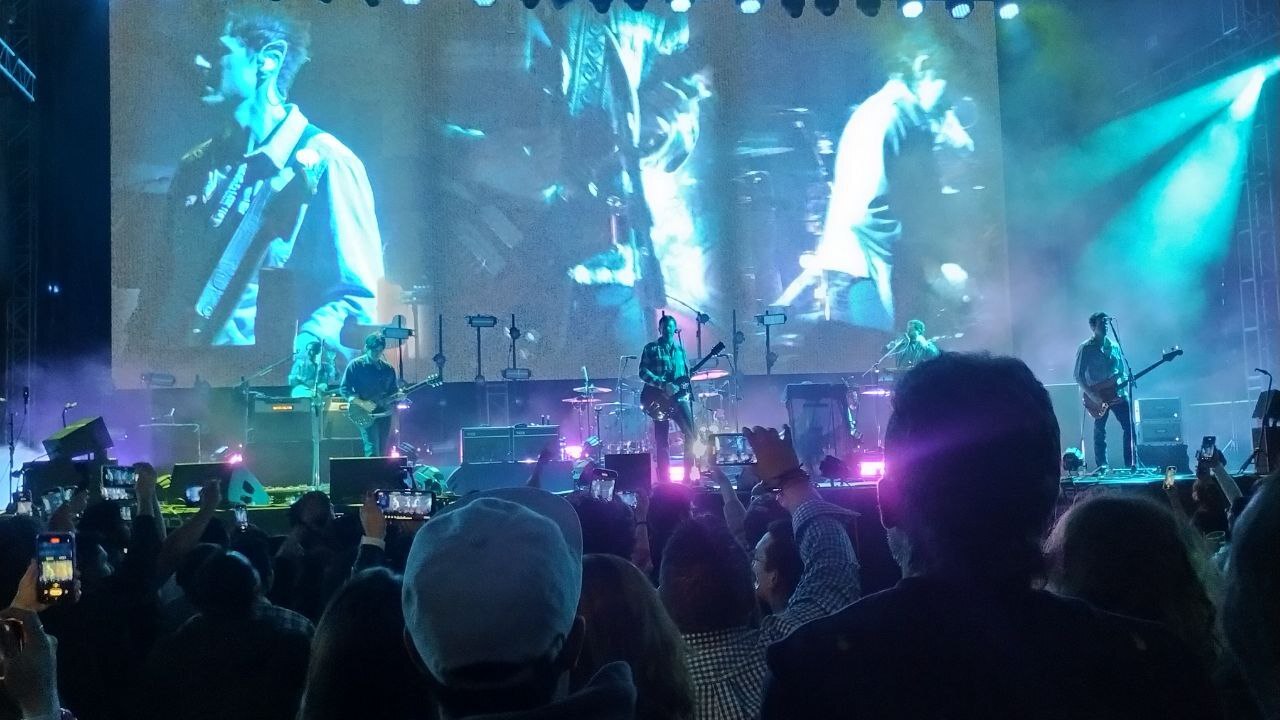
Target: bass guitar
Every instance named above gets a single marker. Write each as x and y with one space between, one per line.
364 412
660 404
1107 392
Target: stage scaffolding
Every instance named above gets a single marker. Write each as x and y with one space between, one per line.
17 104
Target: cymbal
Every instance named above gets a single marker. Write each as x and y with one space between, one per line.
580 400
712 374
592 389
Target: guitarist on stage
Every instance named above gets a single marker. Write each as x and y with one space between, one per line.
1097 361
369 377
663 367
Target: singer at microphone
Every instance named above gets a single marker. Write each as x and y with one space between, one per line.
312 372
913 347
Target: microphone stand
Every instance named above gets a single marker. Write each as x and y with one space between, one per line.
1263 452
1133 387
699 317
13 447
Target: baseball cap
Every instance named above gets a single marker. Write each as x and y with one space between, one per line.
493 578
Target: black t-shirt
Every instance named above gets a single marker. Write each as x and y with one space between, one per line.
369 379
929 650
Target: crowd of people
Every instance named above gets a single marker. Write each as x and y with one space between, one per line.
520 603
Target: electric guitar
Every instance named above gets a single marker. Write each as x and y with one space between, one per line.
363 412
1108 391
660 404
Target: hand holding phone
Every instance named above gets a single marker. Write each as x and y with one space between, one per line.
732 449
241 516
119 483
55 568
22 502
405 504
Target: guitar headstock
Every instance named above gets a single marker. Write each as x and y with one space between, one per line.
719 348
435 380
1171 353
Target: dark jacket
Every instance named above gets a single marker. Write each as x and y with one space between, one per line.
611 695
926 649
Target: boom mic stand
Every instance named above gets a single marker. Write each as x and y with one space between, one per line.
1132 400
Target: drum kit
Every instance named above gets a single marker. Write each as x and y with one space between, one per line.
621 425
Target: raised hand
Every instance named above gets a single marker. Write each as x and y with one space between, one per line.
775 456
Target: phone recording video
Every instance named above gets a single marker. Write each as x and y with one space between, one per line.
406 504
56 567
119 483
242 516
192 494
732 449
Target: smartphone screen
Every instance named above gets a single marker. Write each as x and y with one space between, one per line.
406 504
119 483
192 495
732 449
242 516
56 567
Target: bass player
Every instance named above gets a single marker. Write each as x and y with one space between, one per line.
371 378
1098 363
663 368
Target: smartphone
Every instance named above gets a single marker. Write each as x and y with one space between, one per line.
192 494
242 516
51 501
119 483
627 497
55 567
1208 447
732 449
406 504
1170 473
22 502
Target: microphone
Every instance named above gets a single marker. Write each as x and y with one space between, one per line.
70 405
26 394
1261 371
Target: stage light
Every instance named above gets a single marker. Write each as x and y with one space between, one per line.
1247 101
573 452
412 2
1007 9
959 9
748 7
681 5
1072 461
794 8
486 3
675 473
372 3
870 8
826 7
912 8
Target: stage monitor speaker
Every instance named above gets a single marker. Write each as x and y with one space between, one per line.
88 436
171 443
479 477
1267 409
1163 455
635 471
486 445
351 478
528 441
1272 461
239 485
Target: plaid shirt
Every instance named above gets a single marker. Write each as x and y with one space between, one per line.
830 578
728 672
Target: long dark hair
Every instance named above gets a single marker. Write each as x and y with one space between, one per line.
626 622
358 657
1129 555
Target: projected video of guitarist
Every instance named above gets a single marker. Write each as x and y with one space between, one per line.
371 382
664 371
1100 374
272 193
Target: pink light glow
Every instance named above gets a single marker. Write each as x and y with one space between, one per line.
676 473
395 452
573 452
235 458
871 469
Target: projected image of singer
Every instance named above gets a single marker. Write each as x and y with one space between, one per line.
884 164
270 192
